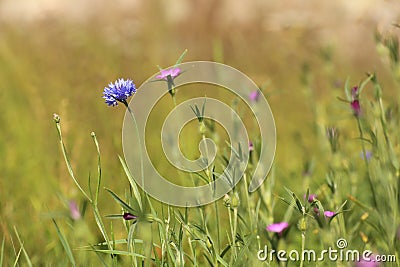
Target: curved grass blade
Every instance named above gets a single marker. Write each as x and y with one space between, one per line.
122 203
65 244
22 248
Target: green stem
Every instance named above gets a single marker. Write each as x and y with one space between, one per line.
218 230
140 142
232 235
210 174
246 192
66 159
371 185
235 217
303 242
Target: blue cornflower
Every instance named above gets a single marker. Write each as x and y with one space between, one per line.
119 92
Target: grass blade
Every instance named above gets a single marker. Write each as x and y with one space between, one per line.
98 167
180 59
17 257
2 252
22 248
65 244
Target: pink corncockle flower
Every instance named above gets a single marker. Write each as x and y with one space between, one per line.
254 95
74 210
311 198
355 106
329 214
277 227
172 72
169 76
251 146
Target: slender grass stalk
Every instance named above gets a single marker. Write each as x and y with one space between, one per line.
96 211
17 257
98 168
232 233
210 176
2 252
66 159
246 194
138 135
371 184
303 244
27 258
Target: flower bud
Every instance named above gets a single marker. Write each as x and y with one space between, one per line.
235 200
303 224
56 118
227 200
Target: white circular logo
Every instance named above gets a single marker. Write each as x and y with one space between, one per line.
341 243
143 103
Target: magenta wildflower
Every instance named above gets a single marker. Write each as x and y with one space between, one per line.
369 261
74 210
254 95
251 146
277 227
172 72
355 106
169 75
329 214
128 216
311 198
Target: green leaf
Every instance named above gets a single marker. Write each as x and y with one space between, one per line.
122 203
119 252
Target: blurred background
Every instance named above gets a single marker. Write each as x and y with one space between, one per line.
57 56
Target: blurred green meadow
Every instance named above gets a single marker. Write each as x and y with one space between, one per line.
59 59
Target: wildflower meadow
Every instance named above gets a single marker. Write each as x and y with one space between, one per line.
153 138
